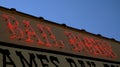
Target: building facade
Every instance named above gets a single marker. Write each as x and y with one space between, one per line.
29 41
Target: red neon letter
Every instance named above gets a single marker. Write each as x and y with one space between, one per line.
74 41
13 26
108 50
44 35
88 44
60 44
49 37
80 43
30 32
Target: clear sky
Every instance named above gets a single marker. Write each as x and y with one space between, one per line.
95 16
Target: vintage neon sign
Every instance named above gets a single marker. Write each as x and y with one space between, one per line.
90 45
45 35
17 33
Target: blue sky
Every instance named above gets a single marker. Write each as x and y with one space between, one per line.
95 16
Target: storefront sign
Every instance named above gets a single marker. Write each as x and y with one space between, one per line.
29 31
14 56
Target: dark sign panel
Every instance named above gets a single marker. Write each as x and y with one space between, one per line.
21 56
25 30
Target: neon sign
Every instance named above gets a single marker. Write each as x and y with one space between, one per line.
45 36
90 45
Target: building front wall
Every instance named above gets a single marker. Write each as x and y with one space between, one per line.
25 30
